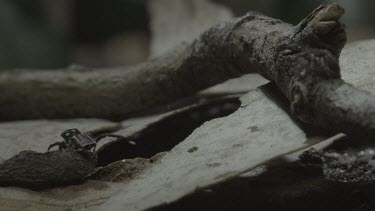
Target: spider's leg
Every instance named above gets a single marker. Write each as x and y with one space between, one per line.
84 149
77 144
100 137
60 144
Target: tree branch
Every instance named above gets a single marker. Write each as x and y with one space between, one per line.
302 60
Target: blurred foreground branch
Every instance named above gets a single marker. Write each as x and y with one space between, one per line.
302 60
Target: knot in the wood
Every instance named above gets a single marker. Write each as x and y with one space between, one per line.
299 68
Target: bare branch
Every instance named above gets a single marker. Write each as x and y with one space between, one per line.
302 60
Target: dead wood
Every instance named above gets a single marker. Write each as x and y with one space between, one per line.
37 171
302 60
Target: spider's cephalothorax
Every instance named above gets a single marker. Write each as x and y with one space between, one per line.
78 141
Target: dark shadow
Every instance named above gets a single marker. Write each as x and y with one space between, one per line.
167 133
182 102
284 186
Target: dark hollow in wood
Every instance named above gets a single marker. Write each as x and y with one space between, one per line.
165 134
283 186
341 177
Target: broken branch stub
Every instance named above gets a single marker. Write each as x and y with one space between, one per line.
303 62
305 67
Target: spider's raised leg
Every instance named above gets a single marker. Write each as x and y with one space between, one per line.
61 145
100 137
78 145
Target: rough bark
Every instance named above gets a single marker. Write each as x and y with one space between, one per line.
301 60
118 92
37 171
111 93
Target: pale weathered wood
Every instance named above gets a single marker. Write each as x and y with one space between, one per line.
225 147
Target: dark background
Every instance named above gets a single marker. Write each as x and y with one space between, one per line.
56 33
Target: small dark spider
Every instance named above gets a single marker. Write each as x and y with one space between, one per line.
84 142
